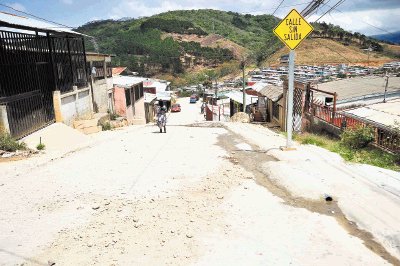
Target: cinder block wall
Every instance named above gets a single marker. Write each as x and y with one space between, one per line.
71 106
100 95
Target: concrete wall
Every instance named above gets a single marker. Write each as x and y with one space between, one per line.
120 101
139 109
4 126
73 105
100 94
316 125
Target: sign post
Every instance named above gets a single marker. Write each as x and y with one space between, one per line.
292 30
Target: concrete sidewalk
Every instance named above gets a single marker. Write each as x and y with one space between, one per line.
368 196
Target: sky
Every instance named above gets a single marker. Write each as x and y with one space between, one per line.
366 16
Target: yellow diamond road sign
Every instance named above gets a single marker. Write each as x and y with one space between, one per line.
293 29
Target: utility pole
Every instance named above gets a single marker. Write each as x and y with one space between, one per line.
244 86
386 85
289 120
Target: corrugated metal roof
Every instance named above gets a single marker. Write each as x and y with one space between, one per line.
360 86
272 92
117 70
11 20
160 86
127 81
237 96
383 113
258 86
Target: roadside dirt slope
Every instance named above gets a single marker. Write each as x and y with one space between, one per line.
325 51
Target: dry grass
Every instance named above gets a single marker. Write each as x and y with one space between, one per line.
322 51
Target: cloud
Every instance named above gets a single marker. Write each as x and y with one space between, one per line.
128 8
355 15
369 22
67 2
16 6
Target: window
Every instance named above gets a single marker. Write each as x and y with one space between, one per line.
128 97
275 110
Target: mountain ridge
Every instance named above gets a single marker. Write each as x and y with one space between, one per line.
161 43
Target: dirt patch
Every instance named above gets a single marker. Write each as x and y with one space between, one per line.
165 229
212 40
252 163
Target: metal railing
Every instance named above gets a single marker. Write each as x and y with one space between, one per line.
385 137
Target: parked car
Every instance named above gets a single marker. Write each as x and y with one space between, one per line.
193 99
176 107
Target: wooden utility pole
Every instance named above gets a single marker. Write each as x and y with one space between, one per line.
386 86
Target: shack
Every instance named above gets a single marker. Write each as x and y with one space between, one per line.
129 99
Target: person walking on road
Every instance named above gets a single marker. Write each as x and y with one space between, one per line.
162 119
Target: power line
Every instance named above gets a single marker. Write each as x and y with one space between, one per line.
34 16
308 10
331 9
277 7
376 27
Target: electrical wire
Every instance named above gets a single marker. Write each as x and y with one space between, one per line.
331 9
277 7
34 16
376 27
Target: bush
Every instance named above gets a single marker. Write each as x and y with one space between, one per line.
40 147
358 137
106 126
7 143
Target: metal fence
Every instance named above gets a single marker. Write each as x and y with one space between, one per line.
385 137
70 63
32 66
26 79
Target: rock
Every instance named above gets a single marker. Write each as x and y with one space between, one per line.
51 263
189 236
135 219
220 197
96 207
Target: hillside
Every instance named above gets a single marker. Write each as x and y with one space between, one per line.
162 42
211 40
389 37
176 41
315 51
